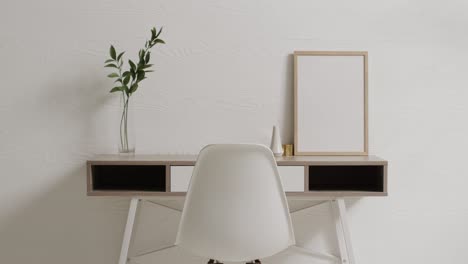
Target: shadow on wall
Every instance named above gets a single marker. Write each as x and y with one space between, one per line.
288 102
57 222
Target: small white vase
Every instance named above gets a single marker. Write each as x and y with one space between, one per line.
276 146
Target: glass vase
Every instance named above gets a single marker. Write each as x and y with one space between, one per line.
127 131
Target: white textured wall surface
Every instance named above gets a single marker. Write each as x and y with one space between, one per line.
226 76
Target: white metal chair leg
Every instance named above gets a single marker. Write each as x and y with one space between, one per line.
342 231
128 230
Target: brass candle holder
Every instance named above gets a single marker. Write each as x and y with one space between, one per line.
288 150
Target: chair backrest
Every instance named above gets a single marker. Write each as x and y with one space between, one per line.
235 208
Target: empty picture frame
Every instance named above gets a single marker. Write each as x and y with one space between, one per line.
330 103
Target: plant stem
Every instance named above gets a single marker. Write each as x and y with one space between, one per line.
123 126
126 123
122 144
121 120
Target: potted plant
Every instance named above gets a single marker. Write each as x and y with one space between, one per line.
128 82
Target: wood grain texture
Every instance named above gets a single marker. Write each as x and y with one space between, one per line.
150 159
168 178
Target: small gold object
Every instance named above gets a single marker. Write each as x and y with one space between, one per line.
288 150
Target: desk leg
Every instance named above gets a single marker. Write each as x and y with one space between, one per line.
342 231
128 230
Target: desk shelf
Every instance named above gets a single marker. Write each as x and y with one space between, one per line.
150 175
364 178
148 178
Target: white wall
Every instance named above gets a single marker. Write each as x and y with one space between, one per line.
226 76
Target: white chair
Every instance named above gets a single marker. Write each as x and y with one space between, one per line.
235 208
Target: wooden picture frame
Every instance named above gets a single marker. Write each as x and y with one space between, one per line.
330 103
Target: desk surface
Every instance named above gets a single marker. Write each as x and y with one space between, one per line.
191 159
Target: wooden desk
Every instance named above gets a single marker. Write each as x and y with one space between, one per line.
313 177
324 176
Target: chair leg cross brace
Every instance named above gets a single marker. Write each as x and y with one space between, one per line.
127 238
341 224
342 231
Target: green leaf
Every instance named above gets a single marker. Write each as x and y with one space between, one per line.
153 33
147 58
113 75
149 71
112 52
140 76
160 30
118 80
109 60
126 73
132 65
156 41
111 65
126 80
133 88
146 66
120 55
116 89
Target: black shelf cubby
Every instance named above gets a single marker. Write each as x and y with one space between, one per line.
146 178
367 178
